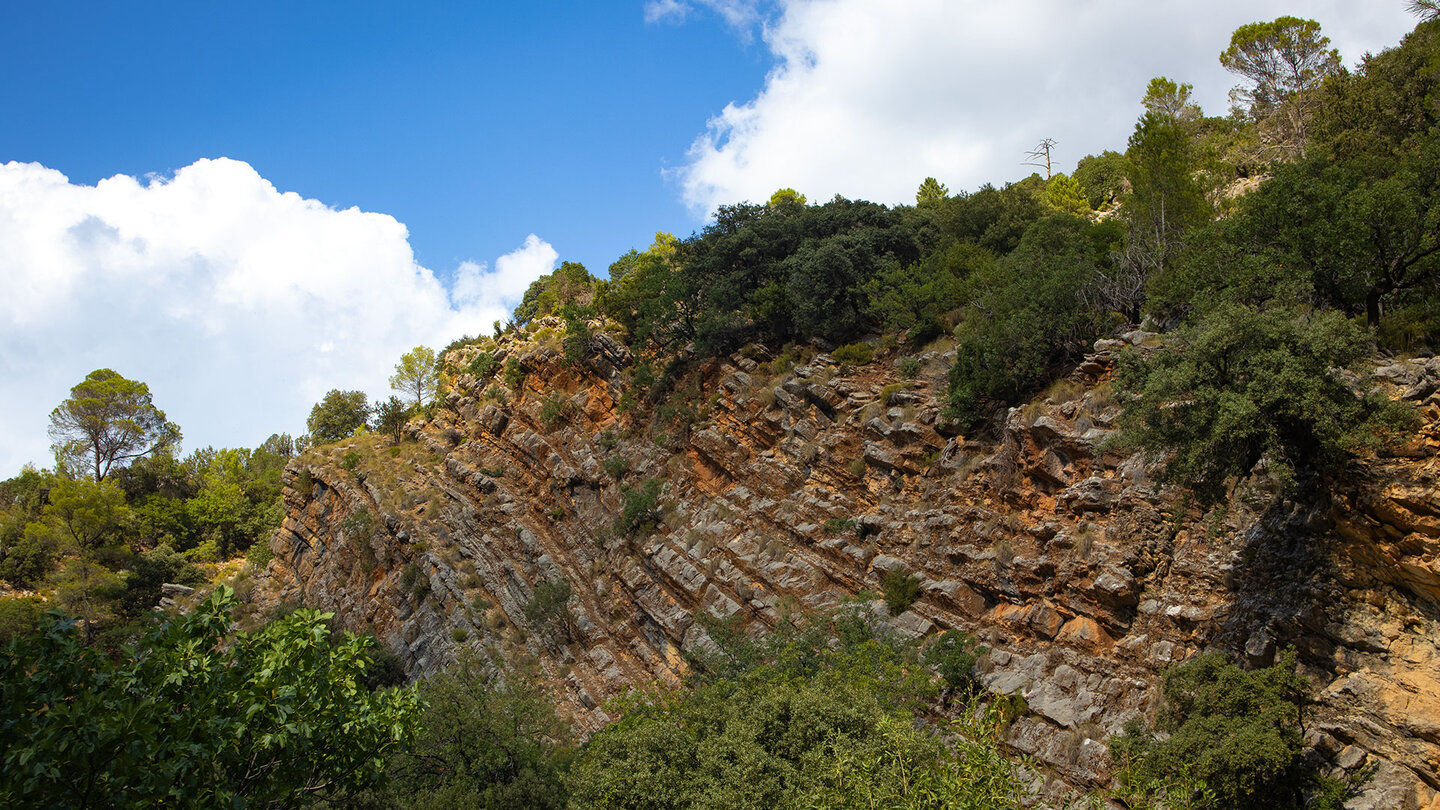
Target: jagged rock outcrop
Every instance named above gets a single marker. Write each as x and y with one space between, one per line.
786 488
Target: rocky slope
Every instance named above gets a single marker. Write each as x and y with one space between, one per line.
793 486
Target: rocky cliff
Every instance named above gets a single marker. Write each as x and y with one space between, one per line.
796 482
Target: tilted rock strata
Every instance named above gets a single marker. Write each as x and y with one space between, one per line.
802 489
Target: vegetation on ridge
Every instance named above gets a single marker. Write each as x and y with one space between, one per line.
1255 305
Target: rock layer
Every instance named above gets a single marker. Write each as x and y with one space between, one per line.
789 489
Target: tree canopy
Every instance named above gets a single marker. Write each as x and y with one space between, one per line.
417 374
1283 62
108 421
338 415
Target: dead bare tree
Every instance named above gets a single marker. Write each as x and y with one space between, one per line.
1040 155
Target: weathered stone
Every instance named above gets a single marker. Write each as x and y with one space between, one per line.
1098 579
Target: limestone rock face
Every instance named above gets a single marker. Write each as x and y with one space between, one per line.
785 490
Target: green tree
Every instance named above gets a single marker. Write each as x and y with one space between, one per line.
484 741
417 374
147 572
1360 233
1283 61
223 514
1102 177
1063 194
88 514
786 196
338 415
391 416
197 716
1028 316
1164 203
917 296
1242 384
931 191
571 283
549 609
108 421
1164 97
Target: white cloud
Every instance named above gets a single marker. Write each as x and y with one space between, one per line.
869 97
742 15
239 305
665 11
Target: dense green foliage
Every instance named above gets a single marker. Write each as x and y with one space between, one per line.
484 742
802 720
102 548
953 654
337 415
639 508
1237 733
1245 384
197 716
901 590
1033 311
390 417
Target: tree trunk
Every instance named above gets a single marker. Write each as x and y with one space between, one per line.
1372 308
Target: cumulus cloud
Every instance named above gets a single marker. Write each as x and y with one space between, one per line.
868 98
238 304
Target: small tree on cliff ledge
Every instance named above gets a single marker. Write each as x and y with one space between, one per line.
417 374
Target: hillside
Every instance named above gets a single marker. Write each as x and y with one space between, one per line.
787 484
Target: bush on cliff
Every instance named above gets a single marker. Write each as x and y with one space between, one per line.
1235 740
1243 384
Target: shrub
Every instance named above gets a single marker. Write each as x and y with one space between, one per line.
616 466
901 590
549 609
19 616
554 408
414 580
856 466
638 510
953 655
854 354
484 365
27 563
459 634
1245 384
811 717
350 460
489 740
887 394
909 367
514 375
1025 317
838 525
1239 733
385 668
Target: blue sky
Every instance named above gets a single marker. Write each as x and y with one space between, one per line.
245 205
472 123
